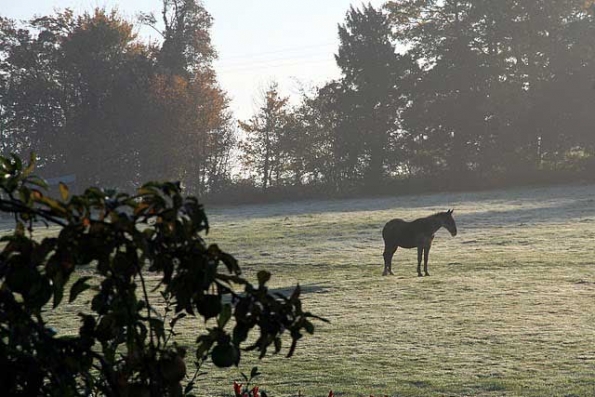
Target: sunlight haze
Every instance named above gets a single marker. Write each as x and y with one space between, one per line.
258 42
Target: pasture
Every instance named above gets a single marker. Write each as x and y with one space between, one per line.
509 308
508 311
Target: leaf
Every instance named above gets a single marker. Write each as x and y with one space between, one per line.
309 327
54 205
188 388
296 293
203 345
254 373
224 316
19 229
36 194
263 277
231 263
63 191
36 181
18 163
173 321
58 284
79 286
308 314
29 169
158 327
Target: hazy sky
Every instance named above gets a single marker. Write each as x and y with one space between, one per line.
258 41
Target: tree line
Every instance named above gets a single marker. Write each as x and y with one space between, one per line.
450 92
89 97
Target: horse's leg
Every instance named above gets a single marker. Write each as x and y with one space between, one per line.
426 255
388 258
390 264
419 251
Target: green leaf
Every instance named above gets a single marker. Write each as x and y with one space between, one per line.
224 316
31 166
173 321
34 180
309 327
58 284
296 293
225 355
18 163
263 277
188 389
203 345
54 205
254 373
157 326
79 286
230 262
19 229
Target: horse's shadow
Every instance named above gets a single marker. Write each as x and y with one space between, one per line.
305 289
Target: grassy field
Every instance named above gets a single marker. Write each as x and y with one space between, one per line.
508 311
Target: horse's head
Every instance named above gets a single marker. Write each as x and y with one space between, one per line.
448 222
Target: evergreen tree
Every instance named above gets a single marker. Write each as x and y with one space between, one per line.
369 96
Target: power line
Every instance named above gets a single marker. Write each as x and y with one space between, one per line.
293 49
302 55
274 64
242 62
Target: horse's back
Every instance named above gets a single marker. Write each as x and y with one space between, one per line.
393 226
397 232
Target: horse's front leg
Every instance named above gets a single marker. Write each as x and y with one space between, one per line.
419 251
426 255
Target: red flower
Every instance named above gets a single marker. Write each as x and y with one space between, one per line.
330 394
255 392
237 388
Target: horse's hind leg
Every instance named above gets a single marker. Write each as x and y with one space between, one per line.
388 258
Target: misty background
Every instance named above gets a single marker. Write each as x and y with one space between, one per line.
432 96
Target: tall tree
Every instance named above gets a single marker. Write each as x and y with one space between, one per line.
202 126
89 98
370 72
262 149
448 100
74 93
486 94
310 143
185 28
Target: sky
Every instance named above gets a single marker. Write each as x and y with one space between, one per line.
291 42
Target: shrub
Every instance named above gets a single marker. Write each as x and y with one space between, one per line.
124 346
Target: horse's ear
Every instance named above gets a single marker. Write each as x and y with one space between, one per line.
450 212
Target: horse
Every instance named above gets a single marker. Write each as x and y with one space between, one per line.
418 233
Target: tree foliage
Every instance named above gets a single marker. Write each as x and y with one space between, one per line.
87 95
265 135
370 89
453 92
494 89
125 344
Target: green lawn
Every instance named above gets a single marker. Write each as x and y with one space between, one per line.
508 311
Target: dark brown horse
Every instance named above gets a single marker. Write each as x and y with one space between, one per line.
418 233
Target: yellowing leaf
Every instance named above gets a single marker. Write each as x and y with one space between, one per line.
63 191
